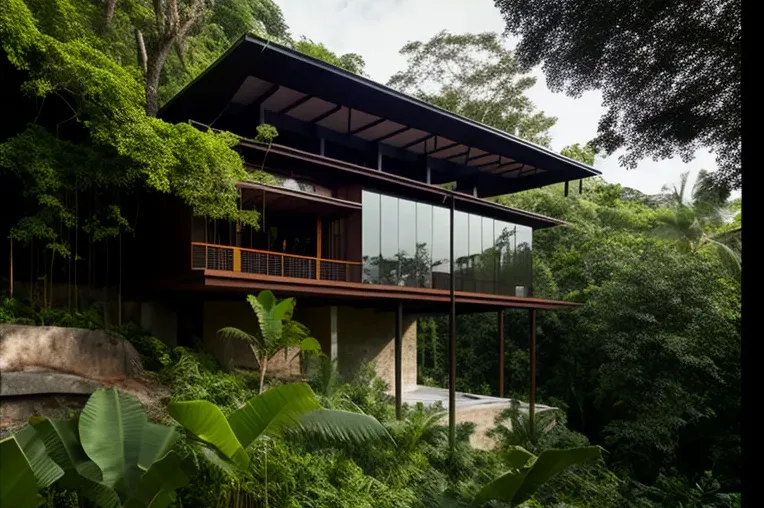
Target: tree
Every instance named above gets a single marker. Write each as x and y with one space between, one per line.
669 72
352 62
276 330
474 75
695 225
580 153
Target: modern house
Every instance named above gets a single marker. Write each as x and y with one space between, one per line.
357 224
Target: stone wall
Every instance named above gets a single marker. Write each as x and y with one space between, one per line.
368 335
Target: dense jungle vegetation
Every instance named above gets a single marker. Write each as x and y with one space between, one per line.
648 367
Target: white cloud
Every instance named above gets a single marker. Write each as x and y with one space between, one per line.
377 29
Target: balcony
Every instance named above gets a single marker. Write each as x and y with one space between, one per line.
205 256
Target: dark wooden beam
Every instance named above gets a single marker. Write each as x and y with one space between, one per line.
367 126
485 164
566 188
457 155
420 140
299 102
480 157
443 148
398 360
390 135
327 114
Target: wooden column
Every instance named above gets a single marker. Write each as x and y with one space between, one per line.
532 352
501 353
398 359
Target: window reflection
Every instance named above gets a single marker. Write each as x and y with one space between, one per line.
407 243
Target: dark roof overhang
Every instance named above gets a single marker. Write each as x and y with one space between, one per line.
259 79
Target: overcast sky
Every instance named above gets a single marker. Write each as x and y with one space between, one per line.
377 29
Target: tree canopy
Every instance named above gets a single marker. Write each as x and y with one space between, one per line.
669 72
476 76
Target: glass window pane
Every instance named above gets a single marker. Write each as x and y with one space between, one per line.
389 268
524 261
441 259
407 242
475 281
505 238
424 215
461 250
488 258
371 236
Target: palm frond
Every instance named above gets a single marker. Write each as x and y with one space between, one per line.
231 332
343 426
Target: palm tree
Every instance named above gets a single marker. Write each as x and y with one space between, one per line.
276 330
694 224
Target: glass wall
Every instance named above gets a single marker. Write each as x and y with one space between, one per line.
406 243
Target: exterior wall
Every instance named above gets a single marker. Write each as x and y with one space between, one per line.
237 353
161 321
484 417
368 335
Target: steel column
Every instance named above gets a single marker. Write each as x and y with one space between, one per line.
532 352
501 352
452 336
398 356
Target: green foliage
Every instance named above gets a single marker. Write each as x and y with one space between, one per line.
474 75
352 62
657 69
19 486
580 153
110 454
528 473
271 414
276 330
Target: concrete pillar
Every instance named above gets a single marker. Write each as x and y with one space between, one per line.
333 332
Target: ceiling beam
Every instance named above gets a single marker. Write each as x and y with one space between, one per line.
390 135
367 126
295 104
325 115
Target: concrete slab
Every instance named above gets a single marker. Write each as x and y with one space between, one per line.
44 382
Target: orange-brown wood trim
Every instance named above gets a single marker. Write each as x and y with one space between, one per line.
222 278
272 253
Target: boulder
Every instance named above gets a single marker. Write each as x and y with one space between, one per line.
93 354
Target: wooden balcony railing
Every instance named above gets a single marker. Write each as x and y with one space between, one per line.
238 259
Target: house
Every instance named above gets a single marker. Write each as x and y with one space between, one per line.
356 224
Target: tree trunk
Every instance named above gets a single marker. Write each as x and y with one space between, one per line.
263 366
153 75
111 7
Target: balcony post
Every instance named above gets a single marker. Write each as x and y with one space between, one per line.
318 248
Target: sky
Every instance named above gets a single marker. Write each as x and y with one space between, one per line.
377 29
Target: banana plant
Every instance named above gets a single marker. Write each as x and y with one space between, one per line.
111 454
528 473
276 330
26 469
284 408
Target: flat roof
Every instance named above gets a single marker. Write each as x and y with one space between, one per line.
257 74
